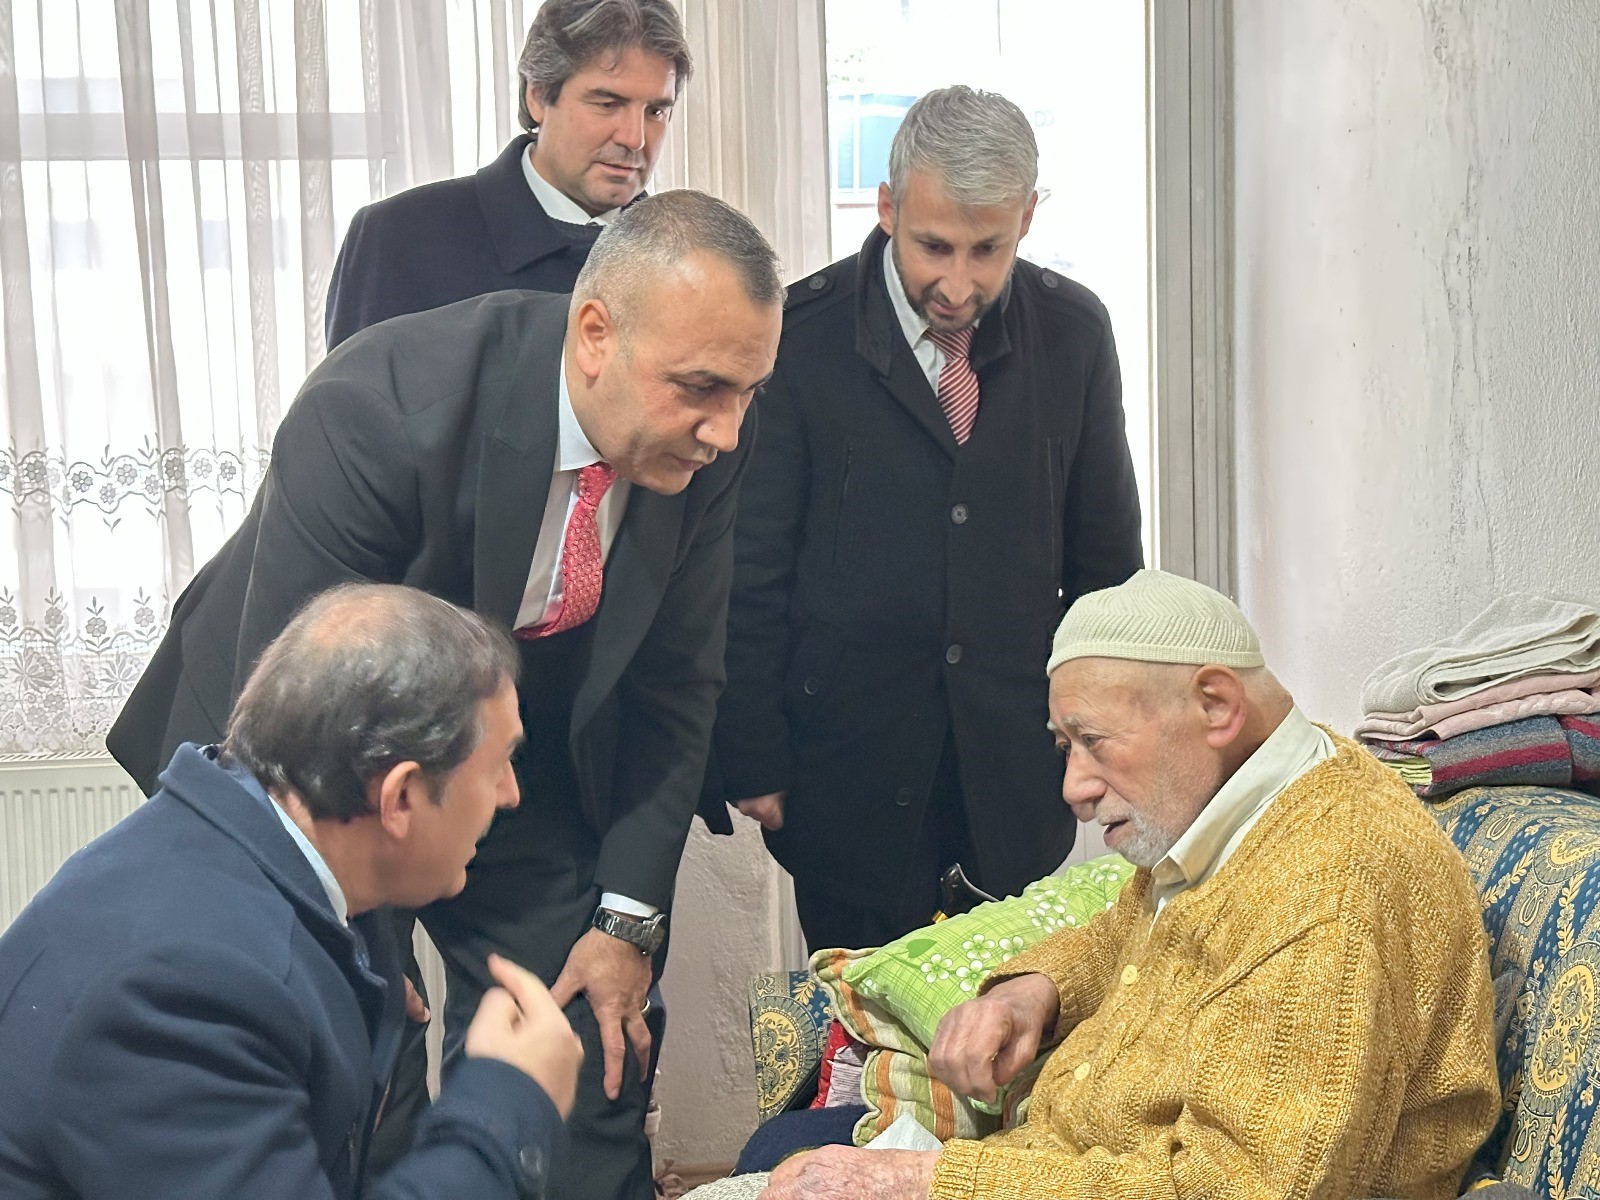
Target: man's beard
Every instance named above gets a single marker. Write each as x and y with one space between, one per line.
1180 784
920 302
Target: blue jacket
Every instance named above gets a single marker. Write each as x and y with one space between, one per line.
183 1015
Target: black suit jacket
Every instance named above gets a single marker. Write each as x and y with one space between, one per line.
421 452
889 587
441 242
182 1014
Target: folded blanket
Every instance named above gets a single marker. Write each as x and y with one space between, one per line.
1518 635
1543 751
1545 704
1419 721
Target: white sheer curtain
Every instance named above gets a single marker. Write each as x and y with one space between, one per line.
175 176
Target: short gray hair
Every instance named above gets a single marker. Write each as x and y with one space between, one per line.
365 677
568 35
979 144
653 235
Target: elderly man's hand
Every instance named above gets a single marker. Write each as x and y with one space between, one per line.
846 1173
982 1044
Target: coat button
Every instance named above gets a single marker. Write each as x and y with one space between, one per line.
952 654
958 514
811 686
817 283
1049 279
904 797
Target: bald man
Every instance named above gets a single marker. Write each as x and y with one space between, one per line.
1290 997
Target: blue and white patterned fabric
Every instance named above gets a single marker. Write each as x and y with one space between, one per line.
1534 856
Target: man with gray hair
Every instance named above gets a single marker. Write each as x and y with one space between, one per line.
206 1001
1289 998
569 468
599 79
942 469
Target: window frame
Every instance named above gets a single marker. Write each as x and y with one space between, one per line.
1192 289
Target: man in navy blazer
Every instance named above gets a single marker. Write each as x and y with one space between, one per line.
599 80
206 1001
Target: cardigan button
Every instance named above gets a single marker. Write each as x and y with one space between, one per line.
1080 1072
1130 975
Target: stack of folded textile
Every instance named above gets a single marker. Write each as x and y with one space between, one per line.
1511 698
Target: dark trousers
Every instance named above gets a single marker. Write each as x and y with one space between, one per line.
608 1157
943 839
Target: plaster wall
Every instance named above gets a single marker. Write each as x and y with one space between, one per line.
1417 279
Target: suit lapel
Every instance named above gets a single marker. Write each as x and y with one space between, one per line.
636 575
519 459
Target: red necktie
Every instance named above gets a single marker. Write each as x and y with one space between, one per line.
581 568
958 382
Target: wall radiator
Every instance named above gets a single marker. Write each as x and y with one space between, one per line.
48 809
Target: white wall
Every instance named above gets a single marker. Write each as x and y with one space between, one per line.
1418 321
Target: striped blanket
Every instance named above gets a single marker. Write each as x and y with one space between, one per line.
1541 751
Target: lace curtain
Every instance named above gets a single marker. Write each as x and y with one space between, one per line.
175 177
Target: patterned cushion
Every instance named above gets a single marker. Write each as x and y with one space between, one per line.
788 1024
892 999
1534 856
922 976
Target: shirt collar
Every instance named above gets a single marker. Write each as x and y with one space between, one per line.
912 323
557 205
573 450
1294 747
319 865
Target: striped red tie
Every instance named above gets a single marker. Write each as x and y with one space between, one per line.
958 382
582 571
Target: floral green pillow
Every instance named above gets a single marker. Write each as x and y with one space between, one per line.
926 973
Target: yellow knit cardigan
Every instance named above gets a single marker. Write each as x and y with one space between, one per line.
1313 1020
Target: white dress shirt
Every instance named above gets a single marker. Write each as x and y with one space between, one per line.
557 205
543 589
573 452
927 352
1293 748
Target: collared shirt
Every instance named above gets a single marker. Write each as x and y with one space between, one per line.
573 452
928 355
543 589
319 865
557 205
1293 748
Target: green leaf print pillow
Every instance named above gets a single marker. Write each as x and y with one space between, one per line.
923 975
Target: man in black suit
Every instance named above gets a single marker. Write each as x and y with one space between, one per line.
942 469
207 999
599 79
466 451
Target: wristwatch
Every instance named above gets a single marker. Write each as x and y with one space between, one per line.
643 933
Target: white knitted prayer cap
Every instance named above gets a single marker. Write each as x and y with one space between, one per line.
1157 618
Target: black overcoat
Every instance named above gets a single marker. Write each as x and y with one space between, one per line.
441 242
890 586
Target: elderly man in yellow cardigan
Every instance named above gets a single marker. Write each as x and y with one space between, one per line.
1290 998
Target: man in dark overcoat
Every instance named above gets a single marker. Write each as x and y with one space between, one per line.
598 81
942 470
